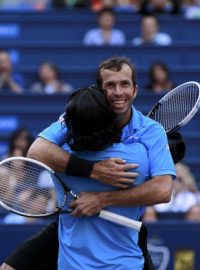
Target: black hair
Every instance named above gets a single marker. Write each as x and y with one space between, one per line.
177 146
163 66
90 121
106 10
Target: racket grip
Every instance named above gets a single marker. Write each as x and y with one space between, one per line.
120 220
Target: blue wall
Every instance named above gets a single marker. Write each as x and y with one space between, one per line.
178 240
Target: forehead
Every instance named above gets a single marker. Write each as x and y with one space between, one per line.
116 76
149 20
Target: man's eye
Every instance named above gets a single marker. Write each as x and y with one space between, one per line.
109 86
125 83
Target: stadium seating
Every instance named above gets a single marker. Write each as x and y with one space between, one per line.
86 75
77 55
71 25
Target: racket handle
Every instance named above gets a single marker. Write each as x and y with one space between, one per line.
120 220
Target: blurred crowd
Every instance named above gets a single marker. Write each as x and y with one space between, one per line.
49 79
52 80
189 8
15 189
185 201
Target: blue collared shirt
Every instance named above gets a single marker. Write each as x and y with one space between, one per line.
89 243
139 129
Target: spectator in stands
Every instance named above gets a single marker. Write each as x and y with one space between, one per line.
10 82
21 5
49 81
192 10
150 34
19 143
97 5
118 5
6 191
150 215
105 34
126 5
64 4
185 193
193 213
159 78
24 198
160 7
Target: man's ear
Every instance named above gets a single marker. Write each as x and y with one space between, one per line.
135 91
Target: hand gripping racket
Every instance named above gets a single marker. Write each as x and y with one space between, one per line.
32 189
177 107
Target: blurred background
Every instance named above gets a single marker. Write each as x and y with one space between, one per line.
49 48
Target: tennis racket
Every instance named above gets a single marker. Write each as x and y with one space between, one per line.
32 189
177 107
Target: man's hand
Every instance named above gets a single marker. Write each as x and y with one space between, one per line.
88 204
114 172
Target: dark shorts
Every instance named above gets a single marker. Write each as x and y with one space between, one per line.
41 251
38 252
142 243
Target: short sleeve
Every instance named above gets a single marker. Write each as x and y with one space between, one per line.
55 133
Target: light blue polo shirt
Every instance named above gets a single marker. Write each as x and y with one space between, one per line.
92 243
139 129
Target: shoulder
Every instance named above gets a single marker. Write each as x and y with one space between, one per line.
150 123
149 129
67 88
36 87
146 122
92 36
118 32
152 126
163 38
136 41
92 32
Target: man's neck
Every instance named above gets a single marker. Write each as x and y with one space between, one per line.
123 120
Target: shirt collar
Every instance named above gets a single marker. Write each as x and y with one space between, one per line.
134 124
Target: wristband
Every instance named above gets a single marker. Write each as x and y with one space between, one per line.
79 167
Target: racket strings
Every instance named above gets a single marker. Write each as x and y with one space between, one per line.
29 189
178 105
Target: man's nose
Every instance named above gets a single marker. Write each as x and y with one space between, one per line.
118 90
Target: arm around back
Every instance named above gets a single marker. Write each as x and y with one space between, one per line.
111 171
155 191
50 154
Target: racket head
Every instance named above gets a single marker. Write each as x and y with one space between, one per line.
177 107
32 189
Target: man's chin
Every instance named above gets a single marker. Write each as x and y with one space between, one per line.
119 110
